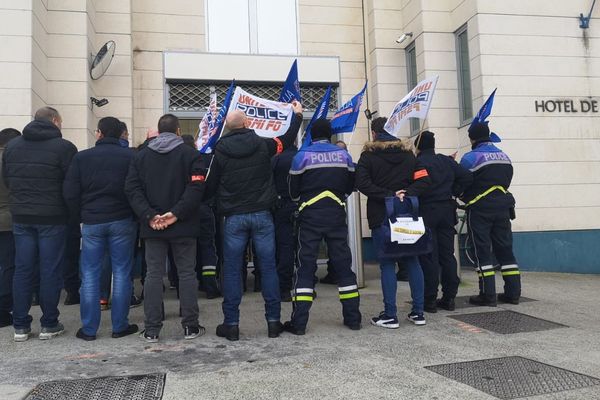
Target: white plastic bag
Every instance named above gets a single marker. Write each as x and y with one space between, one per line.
406 230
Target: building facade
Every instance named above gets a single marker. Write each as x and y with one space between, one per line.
170 55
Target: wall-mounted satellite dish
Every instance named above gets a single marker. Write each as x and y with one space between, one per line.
102 60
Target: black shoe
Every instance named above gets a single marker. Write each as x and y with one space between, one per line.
229 332
446 304
6 320
130 330
354 327
148 337
135 301
481 300
288 327
72 298
503 298
192 332
328 280
35 299
213 295
275 328
83 336
430 307
286 297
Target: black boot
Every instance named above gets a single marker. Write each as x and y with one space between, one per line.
430 306
503 298
229 332
289 327
446 304
275 328
481 300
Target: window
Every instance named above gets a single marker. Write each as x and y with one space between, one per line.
463 68
411 70
252 26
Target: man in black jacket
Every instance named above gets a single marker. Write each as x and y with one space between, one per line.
165 185
438 208
242 179
321 177
34 167
94 190
386 168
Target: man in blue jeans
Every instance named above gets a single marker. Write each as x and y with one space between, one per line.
242 180
34 167
94 190
386 168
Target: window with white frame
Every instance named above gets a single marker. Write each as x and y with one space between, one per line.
412 80
252 26
463 67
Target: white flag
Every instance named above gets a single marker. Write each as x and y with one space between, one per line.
268 118
414 105
207 126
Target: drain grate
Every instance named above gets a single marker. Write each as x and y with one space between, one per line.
514 377
463 301
138 387
506 322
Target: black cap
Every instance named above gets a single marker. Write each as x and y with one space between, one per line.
427 141
321 129
479 131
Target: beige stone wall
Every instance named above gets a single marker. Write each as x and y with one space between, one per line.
156 26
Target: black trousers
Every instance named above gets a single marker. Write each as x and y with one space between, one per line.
7 270
285 243
490 233
440 218
71 260
310 233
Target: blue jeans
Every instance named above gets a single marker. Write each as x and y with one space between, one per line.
237 230
117 238
45 243
389 283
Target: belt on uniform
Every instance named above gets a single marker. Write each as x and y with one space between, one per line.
482 195
323 195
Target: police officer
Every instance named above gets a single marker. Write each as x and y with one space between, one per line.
283 218
438 210
490 207
322 175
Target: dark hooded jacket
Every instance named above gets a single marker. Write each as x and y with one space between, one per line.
34 166
167 175
384 168
241 176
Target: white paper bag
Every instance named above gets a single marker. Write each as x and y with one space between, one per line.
406 230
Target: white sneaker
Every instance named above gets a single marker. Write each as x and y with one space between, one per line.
417 319
384 321
22 335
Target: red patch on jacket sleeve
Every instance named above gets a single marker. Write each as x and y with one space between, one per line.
279 145
422 173
198 178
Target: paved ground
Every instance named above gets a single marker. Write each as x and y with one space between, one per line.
330 362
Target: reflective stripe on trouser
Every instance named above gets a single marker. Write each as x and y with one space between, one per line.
310 235
209 280
512 280
209 270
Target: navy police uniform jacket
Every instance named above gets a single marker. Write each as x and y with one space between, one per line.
448 178
321 177
492 174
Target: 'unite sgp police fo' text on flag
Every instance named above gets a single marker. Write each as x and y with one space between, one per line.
267 118
415 104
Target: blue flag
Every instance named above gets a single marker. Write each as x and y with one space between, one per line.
219 121
345 118
484 113
320 113
291 87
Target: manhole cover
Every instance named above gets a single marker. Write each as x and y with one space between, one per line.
514 377
506 321
463 301
135 387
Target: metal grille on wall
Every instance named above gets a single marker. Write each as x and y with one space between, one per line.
193 97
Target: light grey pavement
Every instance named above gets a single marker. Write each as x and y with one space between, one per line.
330 361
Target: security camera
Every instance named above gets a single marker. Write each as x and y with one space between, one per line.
404 37
98 103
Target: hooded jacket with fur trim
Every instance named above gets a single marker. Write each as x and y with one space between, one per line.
383 169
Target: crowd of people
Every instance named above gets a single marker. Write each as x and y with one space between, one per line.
174 206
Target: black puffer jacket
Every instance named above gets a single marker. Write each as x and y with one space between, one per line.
383 169
34 167
240 175
167 175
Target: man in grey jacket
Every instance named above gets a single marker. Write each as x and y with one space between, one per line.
7 242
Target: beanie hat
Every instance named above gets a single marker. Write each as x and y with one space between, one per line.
321 129
479 131
427 141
